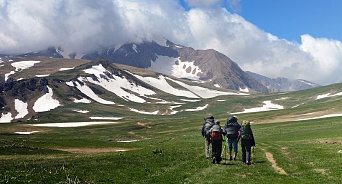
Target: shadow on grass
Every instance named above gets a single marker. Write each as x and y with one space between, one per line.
259 162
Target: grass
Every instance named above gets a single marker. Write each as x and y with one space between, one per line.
170 147
306 150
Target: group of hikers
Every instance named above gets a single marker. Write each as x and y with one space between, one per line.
213 134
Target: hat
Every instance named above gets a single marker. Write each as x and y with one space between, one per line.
216 128
246 123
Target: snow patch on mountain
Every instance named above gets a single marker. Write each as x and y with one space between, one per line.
204 92
21 108
88 92
83 100
143 112
320 117
117 85
81 111
327 95
307 82
64 69
20 65
26 133
161 84
6 118
175 67
42 75
267 107
8 74
73 124
107 118
46 102
198 108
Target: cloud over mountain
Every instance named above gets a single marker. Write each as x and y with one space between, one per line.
81 25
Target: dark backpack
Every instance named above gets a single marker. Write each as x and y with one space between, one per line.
208 123
231 131
246 131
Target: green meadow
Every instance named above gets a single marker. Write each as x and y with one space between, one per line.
170 149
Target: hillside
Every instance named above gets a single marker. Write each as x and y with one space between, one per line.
297 135
204 66
42 88
281 84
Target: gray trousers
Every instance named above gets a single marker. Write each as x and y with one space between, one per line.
207 147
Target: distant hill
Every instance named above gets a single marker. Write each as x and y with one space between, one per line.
30 87
282 84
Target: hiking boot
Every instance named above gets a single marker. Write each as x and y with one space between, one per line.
234 159
230 158
248 163
214 160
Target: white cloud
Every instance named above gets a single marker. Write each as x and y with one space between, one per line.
82 25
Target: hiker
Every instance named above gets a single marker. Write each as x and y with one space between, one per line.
231 131
247 141
208 123
216 142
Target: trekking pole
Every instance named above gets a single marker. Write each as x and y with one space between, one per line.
253 154
225 151
226 144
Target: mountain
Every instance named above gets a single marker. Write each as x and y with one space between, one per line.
45 88
205 66
282 84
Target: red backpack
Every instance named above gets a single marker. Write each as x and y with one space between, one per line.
216 136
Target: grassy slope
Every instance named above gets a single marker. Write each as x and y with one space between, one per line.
306 150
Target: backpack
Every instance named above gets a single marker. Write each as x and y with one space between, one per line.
246 131
208 123
216 136
232 131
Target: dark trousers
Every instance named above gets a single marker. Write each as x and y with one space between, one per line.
246 146
216 149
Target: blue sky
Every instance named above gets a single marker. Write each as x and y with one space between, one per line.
290 19
296 39
287 19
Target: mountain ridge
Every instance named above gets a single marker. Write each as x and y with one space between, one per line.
281 84
205 66
100 83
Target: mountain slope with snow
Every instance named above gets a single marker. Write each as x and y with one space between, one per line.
81 90
282 84
99 83
206 66
163 56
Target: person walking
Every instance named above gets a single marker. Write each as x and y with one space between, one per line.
208 123
216 142
247 141
231 130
